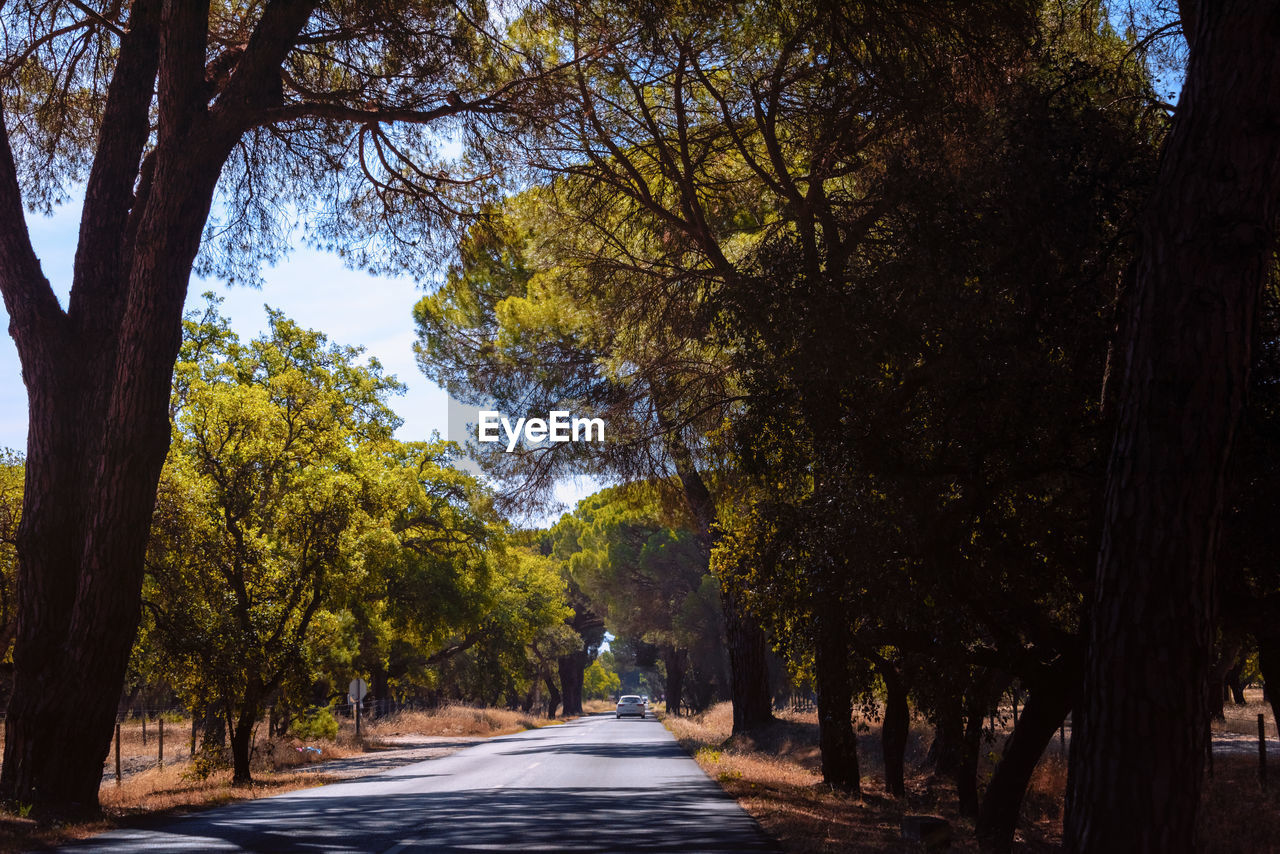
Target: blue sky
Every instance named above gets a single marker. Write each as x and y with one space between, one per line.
310 287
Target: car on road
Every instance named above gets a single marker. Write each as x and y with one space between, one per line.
630 704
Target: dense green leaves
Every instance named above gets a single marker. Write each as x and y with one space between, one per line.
296 540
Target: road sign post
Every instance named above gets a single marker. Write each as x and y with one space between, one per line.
357 689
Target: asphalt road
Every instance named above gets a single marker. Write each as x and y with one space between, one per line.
594 784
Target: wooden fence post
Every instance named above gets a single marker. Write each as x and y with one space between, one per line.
193 733
160 735
144 727
117 754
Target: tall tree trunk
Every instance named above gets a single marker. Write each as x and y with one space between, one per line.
1233 683
1269 667
553 697
836 738
98 378
676 661
1205 250
748 664
895 729
948 736
241 745
1227 657
1047 706
573 669
748 667
966 774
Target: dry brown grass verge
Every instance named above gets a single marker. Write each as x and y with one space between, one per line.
455 720
1238 814
148 796
776 776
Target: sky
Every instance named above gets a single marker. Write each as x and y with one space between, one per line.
310 287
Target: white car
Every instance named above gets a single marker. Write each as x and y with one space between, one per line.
630 705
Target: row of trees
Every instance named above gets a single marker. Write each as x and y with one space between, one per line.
856 284
868 288
296 544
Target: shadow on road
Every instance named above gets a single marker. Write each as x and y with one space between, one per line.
675 819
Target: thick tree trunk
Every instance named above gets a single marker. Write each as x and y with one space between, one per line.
98 378
966 774
1138 752
1227 657
676 661
836 738
895 730
1269 667
748 668
241 745
553 697
948 737
1233 683
748 664
1047 706
573 669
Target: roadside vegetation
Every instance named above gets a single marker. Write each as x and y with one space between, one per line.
775 774
934 386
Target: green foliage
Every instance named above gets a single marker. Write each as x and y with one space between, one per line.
601 682
12 474
649 579
296 544
317 724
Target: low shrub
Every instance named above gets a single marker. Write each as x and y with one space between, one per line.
319 723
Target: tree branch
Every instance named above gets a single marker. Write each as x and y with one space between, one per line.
183 41
33 309
256 83
96 296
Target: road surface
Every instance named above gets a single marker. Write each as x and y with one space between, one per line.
594 784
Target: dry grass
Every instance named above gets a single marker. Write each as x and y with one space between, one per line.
1244 719
1238 814
148 795
454 720
776 776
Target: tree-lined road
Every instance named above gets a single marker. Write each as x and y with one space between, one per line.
595 784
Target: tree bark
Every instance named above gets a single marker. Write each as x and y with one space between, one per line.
572 670
553 697
895 729
966 772
1206 239
948 737
677 661
98 382
241 743
1269 667
836 739
1047 706
1227 658
748 666
1233 683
